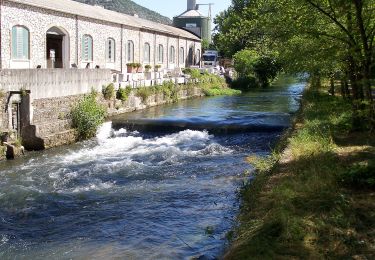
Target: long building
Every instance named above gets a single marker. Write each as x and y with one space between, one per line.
68 34
54 51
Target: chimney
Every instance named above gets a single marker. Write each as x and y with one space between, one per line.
191 4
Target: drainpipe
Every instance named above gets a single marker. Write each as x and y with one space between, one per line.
168 52
139 48
178 52
1 56
122 43
77 45
154 50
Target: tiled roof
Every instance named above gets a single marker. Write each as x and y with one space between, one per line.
99 13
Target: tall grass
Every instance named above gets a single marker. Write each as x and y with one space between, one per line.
300 207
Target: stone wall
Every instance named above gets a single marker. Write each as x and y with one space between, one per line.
4 120
52 126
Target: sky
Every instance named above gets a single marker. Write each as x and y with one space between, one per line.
171 8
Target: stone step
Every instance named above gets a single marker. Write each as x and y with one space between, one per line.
52 127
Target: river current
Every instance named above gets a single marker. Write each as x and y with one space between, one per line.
155 184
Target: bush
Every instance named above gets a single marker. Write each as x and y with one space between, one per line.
87 116
144 93
360 176
245 83
109 91
218 91
123 93
194 73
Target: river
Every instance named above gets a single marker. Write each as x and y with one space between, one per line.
155 184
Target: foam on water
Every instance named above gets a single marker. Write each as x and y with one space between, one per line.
122 145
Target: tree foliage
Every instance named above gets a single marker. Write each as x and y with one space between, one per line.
333 39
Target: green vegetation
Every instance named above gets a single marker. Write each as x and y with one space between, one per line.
129 7
314 200
148 67
219 91
108 91
212 85
123 93
87 116
254 69
323 39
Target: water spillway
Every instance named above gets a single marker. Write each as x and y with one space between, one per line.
137 192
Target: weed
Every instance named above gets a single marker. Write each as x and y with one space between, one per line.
87 116
109 91
123 93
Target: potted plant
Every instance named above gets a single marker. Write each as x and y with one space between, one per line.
157 67
130 67
138 66
148 68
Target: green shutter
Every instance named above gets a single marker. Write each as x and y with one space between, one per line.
20 43
89 48
14 42
83 54
25 44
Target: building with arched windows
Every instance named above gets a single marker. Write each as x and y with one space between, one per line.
52 52
68 34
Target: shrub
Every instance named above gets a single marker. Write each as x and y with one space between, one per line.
360 176
87 116
109 91
123 93
148 67
144 93
218 91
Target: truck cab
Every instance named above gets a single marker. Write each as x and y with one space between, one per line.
210 58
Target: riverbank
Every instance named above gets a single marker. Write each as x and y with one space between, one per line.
316 198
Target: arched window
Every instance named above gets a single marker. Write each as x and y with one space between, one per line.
198 57
191 56
182 55
87 48
172 55
110 50
20 43
161 54
146 53
130 51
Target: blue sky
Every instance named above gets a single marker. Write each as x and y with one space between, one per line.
171 8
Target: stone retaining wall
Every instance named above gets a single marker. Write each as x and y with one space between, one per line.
51 124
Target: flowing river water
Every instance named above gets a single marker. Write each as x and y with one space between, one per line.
155 184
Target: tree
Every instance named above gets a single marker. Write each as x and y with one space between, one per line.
333 38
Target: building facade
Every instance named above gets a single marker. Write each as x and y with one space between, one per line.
67 34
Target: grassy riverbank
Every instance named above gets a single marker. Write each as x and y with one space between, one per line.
315 199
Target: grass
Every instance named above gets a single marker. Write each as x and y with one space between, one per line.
315 199
220 91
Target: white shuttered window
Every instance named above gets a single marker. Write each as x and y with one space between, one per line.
87 48
20 43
